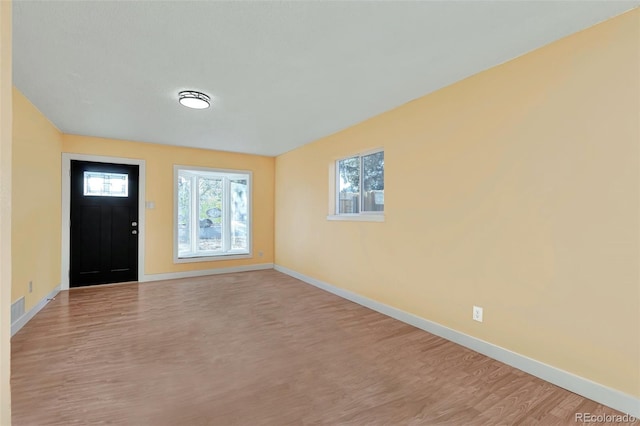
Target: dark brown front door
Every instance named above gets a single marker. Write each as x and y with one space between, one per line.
104 223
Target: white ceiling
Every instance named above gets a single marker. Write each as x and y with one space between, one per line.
281 74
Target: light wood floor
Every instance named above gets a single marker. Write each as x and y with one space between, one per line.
257 348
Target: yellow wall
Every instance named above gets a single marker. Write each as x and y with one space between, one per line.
36 202
5 212
516 189
159 189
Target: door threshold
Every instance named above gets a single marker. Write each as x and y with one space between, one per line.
103 285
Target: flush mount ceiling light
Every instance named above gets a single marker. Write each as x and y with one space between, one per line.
193 99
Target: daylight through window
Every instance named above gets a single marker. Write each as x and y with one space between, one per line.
106 184
212 213
360 184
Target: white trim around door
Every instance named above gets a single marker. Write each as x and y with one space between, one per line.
66 208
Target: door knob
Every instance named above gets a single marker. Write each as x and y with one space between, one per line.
134 223
134 232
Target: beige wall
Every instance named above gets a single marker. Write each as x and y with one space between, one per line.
516 189
5 212
36 203
159 189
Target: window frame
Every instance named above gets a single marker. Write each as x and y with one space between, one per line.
227 175
334 185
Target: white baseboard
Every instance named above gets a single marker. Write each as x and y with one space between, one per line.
203 272
602 394
20 322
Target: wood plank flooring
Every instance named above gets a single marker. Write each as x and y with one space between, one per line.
258 348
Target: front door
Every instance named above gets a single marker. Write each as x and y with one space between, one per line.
104 223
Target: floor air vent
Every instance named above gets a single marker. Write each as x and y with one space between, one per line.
17 309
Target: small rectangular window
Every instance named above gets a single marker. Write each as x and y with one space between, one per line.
360 184
212 214
106 184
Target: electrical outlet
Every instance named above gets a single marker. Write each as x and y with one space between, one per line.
30 286
477 313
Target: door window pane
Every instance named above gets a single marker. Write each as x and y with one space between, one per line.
106 184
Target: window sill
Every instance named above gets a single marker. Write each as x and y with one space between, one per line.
231 256
357 217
